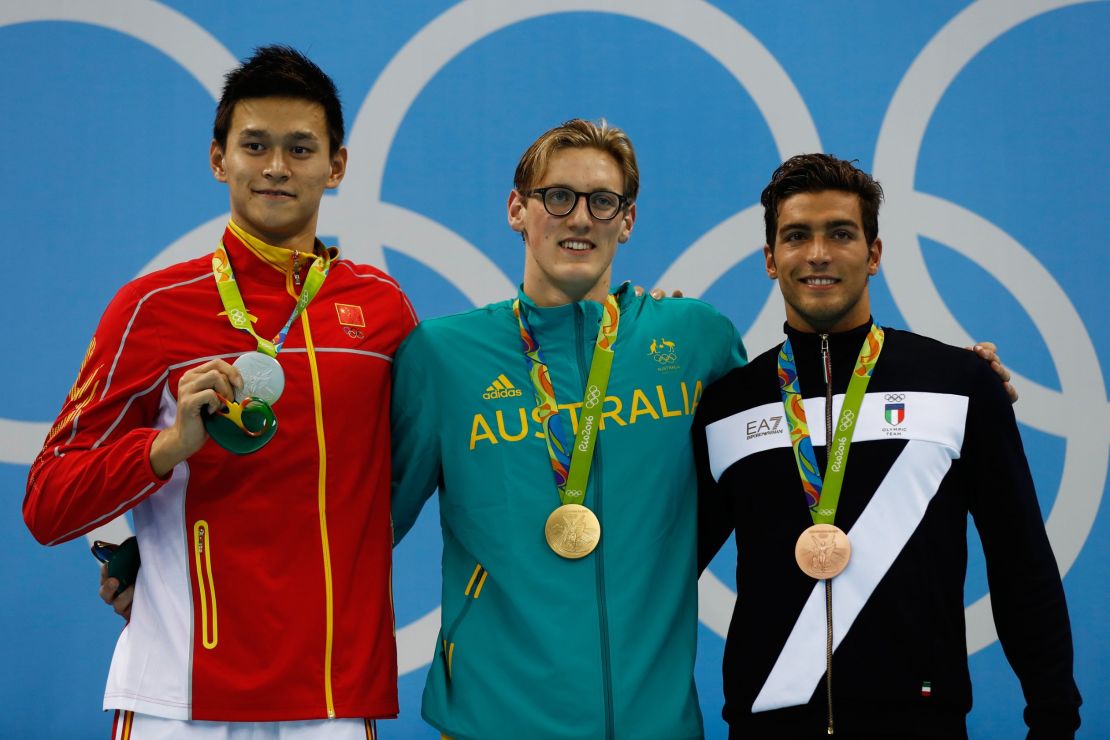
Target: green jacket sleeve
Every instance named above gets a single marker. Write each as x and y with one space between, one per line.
415 436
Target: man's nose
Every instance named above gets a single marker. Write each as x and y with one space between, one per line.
818 251
580 217
277 167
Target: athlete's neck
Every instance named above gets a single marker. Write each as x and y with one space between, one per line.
546 295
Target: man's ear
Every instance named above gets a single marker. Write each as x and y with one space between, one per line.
769 262
517 209
874 256
338 167
216 160
628 218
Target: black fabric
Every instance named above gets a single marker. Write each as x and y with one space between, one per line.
911 630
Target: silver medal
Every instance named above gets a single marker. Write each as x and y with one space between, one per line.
262 377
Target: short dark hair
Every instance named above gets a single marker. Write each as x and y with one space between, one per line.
812 173
279 71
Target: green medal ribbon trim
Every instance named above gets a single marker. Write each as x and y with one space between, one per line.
242 428
571 468
823 494
236 310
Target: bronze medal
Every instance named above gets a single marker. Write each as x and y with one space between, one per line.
572 531
822 551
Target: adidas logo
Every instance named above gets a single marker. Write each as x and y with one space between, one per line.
501 387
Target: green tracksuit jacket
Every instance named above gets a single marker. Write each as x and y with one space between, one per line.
533 645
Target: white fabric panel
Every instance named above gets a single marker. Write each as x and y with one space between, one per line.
878 536
153 656
146 727
929 417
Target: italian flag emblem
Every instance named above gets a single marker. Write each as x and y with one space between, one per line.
926 689
895 413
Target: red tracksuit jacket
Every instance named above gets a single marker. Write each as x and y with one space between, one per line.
264 592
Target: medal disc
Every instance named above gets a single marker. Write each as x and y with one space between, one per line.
262 377
258 426
822 551
572 531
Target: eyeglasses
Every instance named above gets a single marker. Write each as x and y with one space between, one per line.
602 204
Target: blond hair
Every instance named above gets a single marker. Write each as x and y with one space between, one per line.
579 134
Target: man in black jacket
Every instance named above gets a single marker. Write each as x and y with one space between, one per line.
850 616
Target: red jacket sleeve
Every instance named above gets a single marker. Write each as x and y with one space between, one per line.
95 463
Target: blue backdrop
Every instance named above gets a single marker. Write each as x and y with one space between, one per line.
985 122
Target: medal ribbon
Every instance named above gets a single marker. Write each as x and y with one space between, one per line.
571 467
236 310
822 496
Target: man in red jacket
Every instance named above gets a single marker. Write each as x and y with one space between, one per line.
212 398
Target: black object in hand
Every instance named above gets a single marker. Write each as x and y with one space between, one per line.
122 559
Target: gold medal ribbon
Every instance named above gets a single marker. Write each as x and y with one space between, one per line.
571 468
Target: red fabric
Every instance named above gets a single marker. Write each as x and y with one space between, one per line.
263 510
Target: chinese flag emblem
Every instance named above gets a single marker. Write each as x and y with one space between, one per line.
350 315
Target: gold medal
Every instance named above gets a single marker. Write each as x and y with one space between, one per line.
822 551
572 531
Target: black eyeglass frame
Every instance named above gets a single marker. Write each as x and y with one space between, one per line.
622 202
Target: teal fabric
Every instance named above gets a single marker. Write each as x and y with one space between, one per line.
552 648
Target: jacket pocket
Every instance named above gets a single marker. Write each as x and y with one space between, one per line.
471 594
202 554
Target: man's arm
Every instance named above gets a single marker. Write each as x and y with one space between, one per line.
103 455
414 422
1027 597
715 522
715 516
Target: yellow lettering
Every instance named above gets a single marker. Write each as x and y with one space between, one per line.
615 413
505 434
641 406
697 395
685 398
663 403
487 433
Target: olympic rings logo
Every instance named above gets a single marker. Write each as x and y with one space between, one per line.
353 333
359 209
894 397
593 396
847 417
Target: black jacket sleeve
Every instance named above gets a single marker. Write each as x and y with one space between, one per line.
1027 596
715 516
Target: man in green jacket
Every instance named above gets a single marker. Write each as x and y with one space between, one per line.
556 427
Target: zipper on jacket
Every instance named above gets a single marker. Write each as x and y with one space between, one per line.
602 609
826 364
321 502
202 553
599 552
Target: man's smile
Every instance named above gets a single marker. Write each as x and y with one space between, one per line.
274 193
819 281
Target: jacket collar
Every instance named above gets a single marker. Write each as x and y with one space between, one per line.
623 293
255 259
851 337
